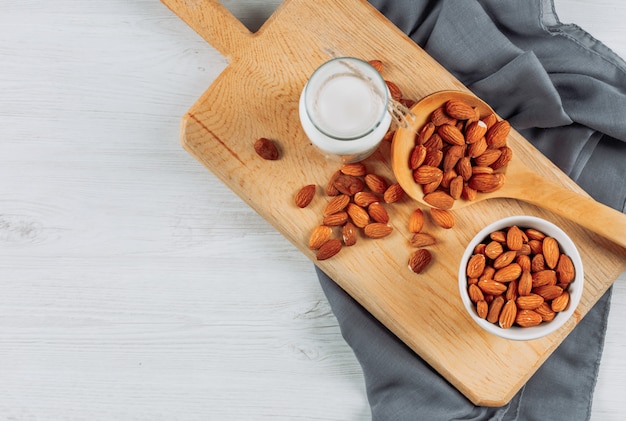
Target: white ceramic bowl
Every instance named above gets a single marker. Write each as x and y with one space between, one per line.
575 288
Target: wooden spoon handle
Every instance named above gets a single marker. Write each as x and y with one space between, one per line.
213 22
583 210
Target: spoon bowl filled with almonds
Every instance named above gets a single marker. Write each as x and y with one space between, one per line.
521 278
456 151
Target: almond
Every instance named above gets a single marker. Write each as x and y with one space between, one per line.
475 293
378 213
464 168
377 230
440 200
439 117
348 184
499 236
434 142
508 273
356 169
506 154
394 90
366 198
427 174
451 134
417 157
477 148
537 264
419 260
422 239
524 262
508 315
393 193
544 277
546 312
491 287
528 318
560 303
377 64
565 271
336 219
442 217
425 133
525 283
485 183
529 302
459 110
456 187
493 249
266 149
534 234
475 131
359 216
336 204
496 135
348 234
376 183
431 187
476 265
490 120
514 238
329 249
330 189
482 308
468 193
319 236
505 259
511 291
495 307
548 292
416 221
488 157
305 195
551 252
452 156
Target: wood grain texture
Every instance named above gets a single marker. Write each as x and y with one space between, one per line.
257 96
123 291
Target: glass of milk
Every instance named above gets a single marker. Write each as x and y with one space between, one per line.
343 109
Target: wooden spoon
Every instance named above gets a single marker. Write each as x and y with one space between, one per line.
521 181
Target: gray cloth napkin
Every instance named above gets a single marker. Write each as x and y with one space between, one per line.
566 93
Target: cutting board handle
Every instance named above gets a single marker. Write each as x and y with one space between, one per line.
213 22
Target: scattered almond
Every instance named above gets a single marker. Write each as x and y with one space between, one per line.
305 195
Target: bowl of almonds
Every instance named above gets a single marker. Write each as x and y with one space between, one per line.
521 278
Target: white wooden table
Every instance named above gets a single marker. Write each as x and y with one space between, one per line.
133 284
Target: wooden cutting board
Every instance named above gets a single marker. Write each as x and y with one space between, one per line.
257 96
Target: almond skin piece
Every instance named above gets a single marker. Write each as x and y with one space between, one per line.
319 236
328 249
528 318
393 193
508 315
376 183
305 195
266 149
442 217
422 239
440 200
419 260
475 266
348 234
378 213
377 230
416 221
551 252
336 204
